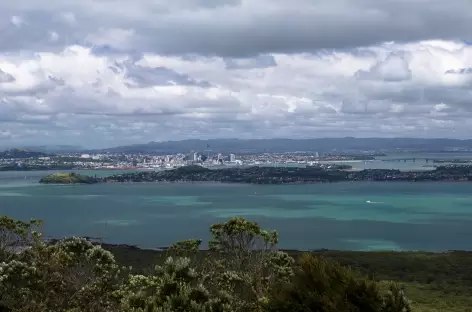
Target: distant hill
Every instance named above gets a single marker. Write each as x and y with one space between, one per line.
323 145
21 153
56 149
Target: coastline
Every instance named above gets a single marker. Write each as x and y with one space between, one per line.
163 249
267 175
246 183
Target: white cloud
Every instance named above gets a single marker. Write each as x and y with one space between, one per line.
68 18
100 71
17 21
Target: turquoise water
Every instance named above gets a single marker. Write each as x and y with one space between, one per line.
361 216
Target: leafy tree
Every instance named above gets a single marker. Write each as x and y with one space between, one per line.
17 235
183 248
323 285
246 261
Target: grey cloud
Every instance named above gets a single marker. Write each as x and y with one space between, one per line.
309 27
34 34
44 87
56 81
233 29
260 61
161 76
196 4
6 77
364 107
456 98
393 69
415 97
460 71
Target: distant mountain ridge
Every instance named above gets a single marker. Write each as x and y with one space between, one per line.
47 149
21 153
55 148
324 145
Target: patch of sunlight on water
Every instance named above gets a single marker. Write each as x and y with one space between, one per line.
118 222
12 194
373 245
81 196
176 200
19 185
334 213
295 197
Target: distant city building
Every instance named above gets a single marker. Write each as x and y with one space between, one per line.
317 155
193 156
232 157
85 156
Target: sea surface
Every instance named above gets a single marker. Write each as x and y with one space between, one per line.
356 216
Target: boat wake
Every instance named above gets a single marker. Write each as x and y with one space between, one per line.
373 202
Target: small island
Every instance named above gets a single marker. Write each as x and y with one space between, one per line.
68 178
269 175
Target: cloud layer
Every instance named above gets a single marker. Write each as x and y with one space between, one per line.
102 73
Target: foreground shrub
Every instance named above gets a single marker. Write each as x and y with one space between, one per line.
323 285
174 286
72 274
243 271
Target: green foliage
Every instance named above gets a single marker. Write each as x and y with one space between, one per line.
68 178
174 286
238 235
395 300
185 247
15 235
248 261
72 274
325 286
243 271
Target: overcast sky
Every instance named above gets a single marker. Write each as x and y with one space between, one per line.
107 72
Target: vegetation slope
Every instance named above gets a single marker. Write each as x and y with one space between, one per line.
242 271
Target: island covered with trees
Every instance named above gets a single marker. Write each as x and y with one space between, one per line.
270 175
68 178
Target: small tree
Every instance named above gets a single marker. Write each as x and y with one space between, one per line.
246 261
15 236
395 300
185 248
